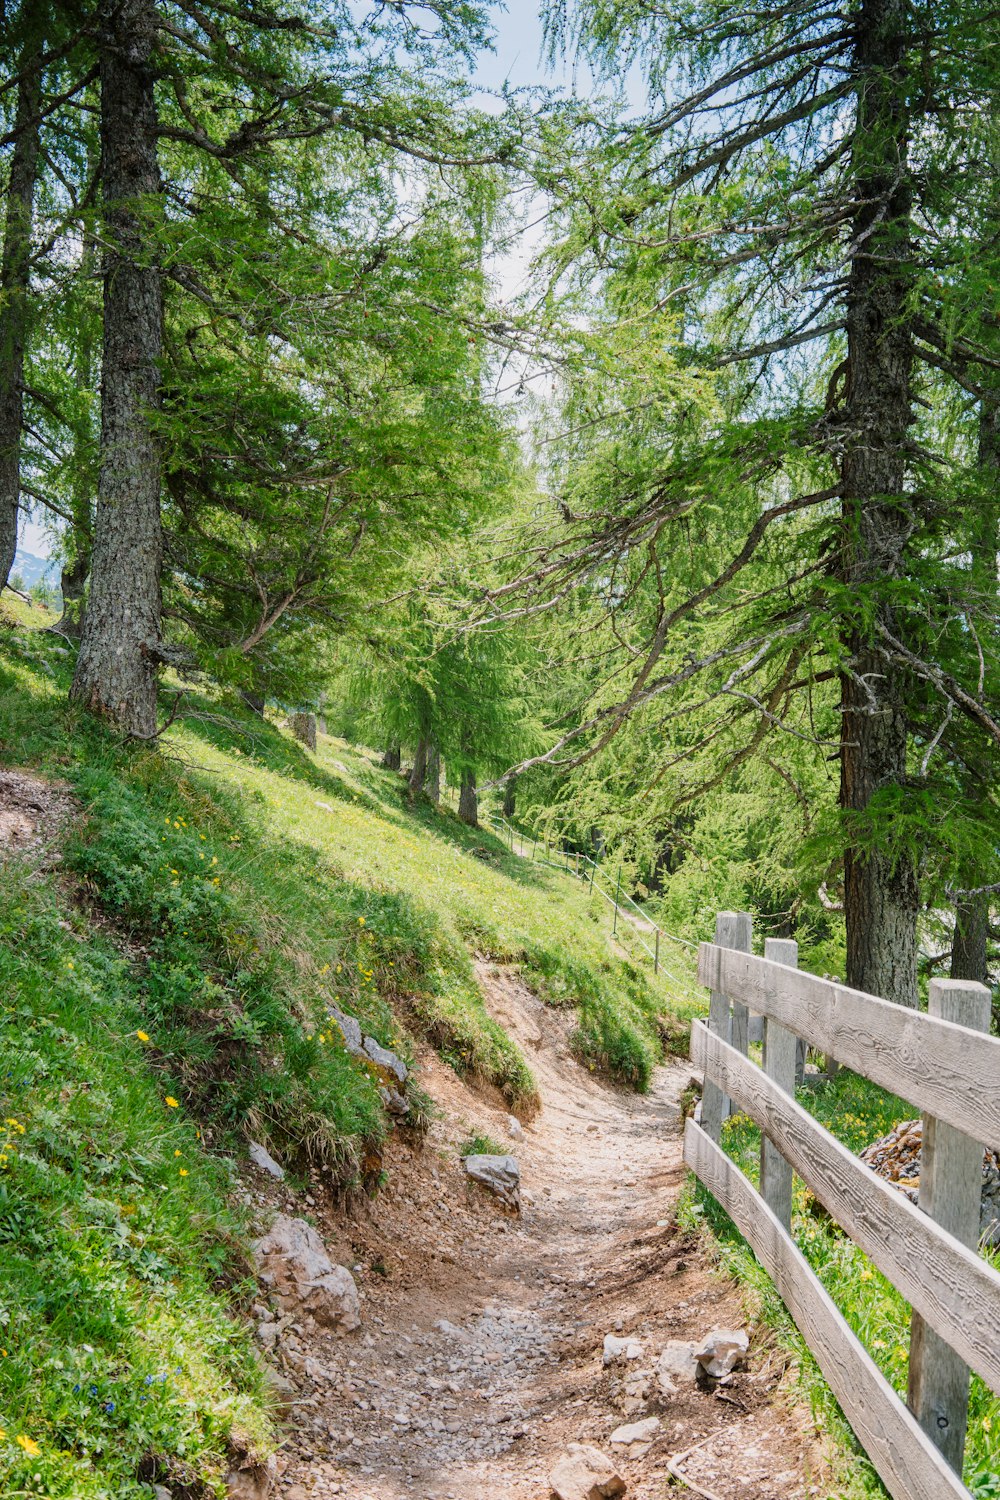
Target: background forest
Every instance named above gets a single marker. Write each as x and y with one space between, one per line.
693 540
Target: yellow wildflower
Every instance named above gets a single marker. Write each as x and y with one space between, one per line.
361 921
29 1445
142 1036
184 1171
172 1102
177 1153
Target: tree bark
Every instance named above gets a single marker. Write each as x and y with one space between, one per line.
880 885
418 775
468 801
509 797
970 946
15 277
117 668
433 784
391 759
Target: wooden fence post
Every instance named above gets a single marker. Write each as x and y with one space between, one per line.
780 1047
951 1184
733 929
740 1032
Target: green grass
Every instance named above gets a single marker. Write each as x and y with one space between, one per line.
167 993
482 1145
122 1257
856 1112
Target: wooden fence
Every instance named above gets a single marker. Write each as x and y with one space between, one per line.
944 1065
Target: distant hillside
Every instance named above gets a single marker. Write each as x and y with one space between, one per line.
32 569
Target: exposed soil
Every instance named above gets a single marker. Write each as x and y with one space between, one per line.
480 1354
32 814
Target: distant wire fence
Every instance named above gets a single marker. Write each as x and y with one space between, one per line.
594 876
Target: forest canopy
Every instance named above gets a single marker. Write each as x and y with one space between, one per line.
688 550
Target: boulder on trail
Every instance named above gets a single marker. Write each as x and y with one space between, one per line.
722 1351
500 1174
585 1473
293 1258
635 1433
677 1365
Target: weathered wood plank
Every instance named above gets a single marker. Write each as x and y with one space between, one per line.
779 1065
951 1184
935 1064
907 1461
732 930
956 1291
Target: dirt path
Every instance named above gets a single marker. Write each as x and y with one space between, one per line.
480 1354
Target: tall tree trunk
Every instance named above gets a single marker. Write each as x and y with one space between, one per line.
76 572
509 796
970 945
433 784
15 275
468 802
117 668
418 775
391 758
880 886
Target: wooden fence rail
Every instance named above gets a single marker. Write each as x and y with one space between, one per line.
944 1064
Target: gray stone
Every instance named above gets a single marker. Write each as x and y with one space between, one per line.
351 1031
395 1102
616 1349
514 1128
160 1492
263 1159
722 1351
635 1432
500 1174
383 1058
677 1365
585 1473
304 1277
252 1483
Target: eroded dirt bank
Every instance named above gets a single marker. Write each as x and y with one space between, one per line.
480 1354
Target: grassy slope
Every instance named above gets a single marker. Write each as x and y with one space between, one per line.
166 994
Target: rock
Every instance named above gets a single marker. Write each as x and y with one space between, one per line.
395 1102
585 1473
263 1159
500 1174
351 1030
616 1349
514 1128
293 1254
267 1335
722 1351
635 1432
253 1483
677 1365
160 1492
383 1058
